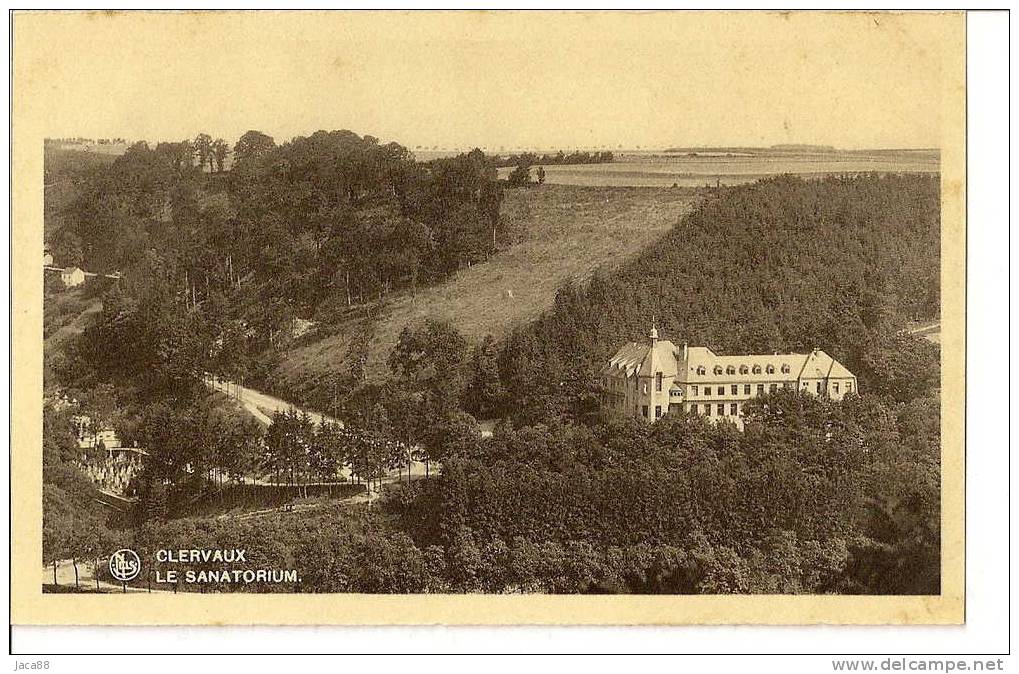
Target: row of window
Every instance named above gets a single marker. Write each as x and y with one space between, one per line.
734 389
696 409
743 369
719 409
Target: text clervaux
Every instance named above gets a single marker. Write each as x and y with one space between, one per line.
190 556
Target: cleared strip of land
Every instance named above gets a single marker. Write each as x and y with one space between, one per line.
561 232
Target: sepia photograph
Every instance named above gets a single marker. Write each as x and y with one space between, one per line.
644 305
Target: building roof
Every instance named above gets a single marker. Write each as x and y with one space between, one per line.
656 355
699 363
820 364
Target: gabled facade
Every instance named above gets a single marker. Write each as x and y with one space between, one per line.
650 379
72 276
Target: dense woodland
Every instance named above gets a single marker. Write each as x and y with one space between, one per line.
816 496
329 214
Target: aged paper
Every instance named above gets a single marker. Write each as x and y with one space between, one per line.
656 115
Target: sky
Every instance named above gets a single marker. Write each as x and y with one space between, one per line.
492 79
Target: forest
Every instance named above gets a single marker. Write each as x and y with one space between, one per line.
816 496
287 226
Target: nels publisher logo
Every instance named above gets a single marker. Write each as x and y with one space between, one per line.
125 565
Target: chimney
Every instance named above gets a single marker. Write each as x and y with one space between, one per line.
685 352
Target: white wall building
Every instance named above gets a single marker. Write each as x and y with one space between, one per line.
652 378
72 276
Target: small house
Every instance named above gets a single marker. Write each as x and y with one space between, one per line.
72 276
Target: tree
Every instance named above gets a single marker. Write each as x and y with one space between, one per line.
252 146
901 365
100 406
220 150
57 524
520 177
203 148
328 451
409 425
238 451
485 393
372 450
180 155
541 175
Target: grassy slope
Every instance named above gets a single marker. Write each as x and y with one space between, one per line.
68 312
562 232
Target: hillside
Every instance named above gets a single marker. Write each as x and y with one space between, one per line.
62 170
66 315
785 265
561 233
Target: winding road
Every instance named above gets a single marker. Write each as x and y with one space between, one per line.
262 406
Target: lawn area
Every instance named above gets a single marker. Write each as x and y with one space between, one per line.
561 232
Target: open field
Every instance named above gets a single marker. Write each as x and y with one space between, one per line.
563 232
697 169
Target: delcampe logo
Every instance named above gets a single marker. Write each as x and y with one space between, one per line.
125 565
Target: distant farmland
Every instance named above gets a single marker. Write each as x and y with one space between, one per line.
691 168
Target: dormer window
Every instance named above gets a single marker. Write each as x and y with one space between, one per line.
757 369
785 368
771 369
730 370
718 369
701 370
743 369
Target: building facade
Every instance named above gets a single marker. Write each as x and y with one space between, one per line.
72 276
649 379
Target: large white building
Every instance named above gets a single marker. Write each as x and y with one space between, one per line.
652 378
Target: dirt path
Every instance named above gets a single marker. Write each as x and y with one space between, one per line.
262 405
930 332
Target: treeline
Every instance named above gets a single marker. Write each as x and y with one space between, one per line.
332 549
84 141
815 497
560 158
298 451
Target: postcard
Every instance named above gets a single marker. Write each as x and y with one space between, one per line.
500 317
